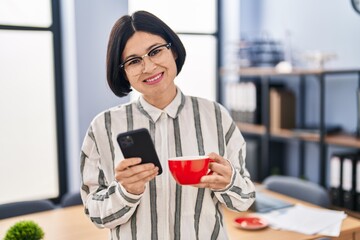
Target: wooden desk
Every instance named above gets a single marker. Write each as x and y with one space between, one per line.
350 229
68 223
72 224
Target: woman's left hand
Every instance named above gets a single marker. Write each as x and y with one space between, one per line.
220 176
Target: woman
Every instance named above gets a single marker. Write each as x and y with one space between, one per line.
130 198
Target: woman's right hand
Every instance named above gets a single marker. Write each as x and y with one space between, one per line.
134 176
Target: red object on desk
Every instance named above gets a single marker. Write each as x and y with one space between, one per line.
251 223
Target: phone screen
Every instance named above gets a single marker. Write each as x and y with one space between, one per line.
138 143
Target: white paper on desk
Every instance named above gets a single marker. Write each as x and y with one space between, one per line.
332 231
305 220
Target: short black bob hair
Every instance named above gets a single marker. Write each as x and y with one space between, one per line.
122 30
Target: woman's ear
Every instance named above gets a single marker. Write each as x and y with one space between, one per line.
174 54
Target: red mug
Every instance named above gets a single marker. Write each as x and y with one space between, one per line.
188 170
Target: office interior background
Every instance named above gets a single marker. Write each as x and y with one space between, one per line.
51 88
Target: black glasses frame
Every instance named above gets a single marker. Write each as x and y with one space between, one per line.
167 45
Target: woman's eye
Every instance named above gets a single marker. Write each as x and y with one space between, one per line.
134 61
154 52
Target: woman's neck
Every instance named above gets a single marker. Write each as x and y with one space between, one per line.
163 100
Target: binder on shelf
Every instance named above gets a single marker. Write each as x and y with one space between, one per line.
336 171
348 181
250 98
357 183
344 183
242 100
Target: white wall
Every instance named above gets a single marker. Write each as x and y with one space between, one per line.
86 27
249 17
331 26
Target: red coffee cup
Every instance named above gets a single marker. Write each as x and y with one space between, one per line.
188 170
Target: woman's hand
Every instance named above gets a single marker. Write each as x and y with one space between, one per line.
221 176
133 176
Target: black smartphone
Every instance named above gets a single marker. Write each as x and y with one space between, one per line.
138 143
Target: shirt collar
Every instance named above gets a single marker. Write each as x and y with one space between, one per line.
153 113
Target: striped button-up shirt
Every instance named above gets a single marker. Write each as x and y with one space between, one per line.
166 210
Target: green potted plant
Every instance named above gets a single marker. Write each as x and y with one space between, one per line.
25 230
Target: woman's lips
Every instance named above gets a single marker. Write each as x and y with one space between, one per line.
154 79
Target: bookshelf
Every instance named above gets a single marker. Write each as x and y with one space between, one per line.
266 134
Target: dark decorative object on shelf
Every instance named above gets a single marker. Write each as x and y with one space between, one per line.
260 53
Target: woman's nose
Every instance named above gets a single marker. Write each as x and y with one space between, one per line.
148 65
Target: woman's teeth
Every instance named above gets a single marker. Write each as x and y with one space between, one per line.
153 79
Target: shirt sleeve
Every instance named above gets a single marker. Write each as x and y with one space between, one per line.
239 195
106 202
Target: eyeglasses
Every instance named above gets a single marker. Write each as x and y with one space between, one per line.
135 65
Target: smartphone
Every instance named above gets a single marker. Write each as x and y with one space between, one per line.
138 143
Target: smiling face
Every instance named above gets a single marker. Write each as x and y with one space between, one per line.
156 80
